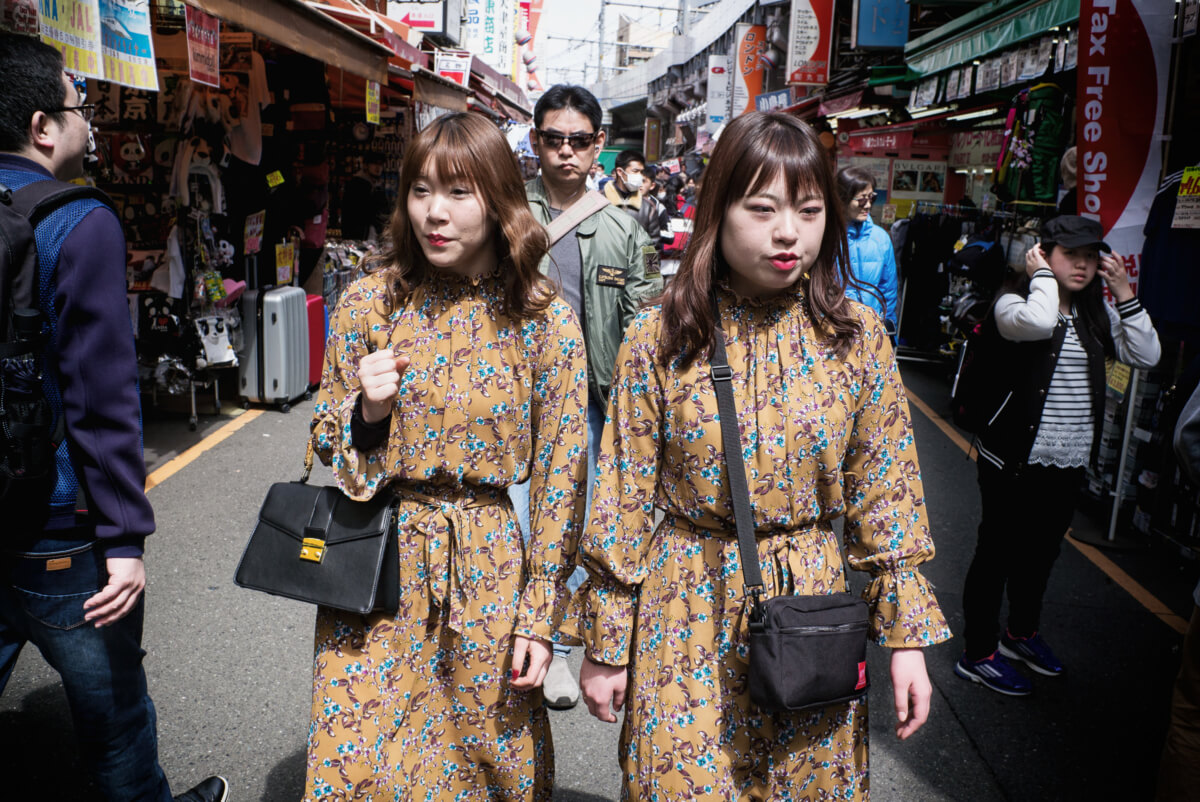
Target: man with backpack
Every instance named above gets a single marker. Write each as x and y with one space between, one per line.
72 534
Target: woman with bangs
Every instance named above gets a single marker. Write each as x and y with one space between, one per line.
452 371
826 433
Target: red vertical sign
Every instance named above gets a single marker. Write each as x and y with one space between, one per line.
810 42
1124 49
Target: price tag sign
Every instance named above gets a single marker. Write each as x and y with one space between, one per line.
285 255
1187 202
254 231
373 102
1118 378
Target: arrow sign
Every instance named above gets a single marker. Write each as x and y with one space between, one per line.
425 22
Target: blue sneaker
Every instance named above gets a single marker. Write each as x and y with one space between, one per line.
994 672
1033 652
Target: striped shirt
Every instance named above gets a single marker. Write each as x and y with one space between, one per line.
1064 436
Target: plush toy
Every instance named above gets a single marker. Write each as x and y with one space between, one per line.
214 337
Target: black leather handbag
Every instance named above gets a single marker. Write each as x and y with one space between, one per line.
314 544
805 651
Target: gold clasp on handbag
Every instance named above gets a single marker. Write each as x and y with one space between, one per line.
312 549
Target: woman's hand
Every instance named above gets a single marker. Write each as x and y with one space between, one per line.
379 375
1112 270
1035 260
538 652
911 690
603 688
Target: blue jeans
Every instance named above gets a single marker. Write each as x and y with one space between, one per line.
520 498
101 669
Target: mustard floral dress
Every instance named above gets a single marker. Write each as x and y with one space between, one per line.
823 437
417 705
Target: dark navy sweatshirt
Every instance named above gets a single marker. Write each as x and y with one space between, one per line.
93 361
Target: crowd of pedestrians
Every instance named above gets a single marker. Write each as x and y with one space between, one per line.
514 370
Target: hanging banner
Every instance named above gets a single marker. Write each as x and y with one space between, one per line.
718 92
810 40
879 23
750 43
1124 54
373 102
126 44
204 47
490 31
73 27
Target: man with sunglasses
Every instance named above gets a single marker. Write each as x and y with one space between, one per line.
604 265
72 584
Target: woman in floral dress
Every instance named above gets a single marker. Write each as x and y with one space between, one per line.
452 373
826 433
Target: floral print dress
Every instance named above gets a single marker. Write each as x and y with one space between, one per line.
823 437
418 705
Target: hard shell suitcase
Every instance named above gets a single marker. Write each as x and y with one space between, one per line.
316 338
275 367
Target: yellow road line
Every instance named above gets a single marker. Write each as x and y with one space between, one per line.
176 464
1111 569
1144 597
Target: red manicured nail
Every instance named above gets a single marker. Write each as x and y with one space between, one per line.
516 673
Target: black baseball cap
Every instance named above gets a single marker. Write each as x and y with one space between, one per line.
1073 231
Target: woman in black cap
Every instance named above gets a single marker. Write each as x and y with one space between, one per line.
1045 346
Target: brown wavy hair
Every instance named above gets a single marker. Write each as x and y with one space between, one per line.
465 147
752 150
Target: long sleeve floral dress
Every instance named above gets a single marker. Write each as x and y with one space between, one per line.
822 437
418 705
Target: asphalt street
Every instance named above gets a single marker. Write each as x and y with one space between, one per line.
229 669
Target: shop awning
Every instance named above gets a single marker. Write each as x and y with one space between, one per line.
378 27
431 88
988 29
295 25
491 83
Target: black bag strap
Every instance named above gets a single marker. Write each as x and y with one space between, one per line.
739 491
37 199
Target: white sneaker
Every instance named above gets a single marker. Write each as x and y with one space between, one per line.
560 687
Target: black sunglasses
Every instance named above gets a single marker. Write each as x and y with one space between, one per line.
87 111
554 141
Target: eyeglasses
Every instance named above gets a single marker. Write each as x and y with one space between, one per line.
866 200
555 141
87 111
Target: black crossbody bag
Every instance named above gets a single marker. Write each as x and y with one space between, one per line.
805 651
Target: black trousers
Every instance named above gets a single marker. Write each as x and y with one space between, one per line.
1025 517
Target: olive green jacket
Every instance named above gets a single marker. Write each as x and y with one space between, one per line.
612 239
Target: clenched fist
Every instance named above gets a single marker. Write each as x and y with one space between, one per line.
379 375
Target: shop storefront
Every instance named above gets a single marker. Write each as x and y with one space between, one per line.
219 164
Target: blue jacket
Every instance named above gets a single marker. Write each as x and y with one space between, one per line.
873 264
92 376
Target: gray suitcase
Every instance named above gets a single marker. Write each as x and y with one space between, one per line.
274 367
